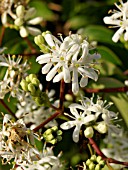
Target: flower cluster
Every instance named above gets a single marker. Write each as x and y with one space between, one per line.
94 116
67 59
119 19
23 17
17 143
16 70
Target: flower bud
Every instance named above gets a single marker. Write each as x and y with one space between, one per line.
18 22
88 162
47 132
98 159
59 138
69 97
20 11
35 82
39 40
23 32
59 132
101 127
31 88
24 85
31 76
54 128
49 137
53 141
93 158
97 167
91 166
102 163
88 132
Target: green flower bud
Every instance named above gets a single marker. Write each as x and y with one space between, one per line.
20 11
59 138
39 40
54 128
42 100
27 79
36 82
46 32
102 163
47 132
44 48
59 132
24 85
98 159
97 167
69 97
93 158
31 76
88 132
18 22
31 88
54 141
49 137
88 162
92 166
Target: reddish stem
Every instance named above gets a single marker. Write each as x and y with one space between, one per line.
7 108
107 90
99 152
46 121
62 89
2 34
30 45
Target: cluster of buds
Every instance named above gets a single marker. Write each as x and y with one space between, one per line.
32 84
24 17
95 163
52 135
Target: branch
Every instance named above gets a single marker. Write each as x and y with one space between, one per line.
99 152
7 108
46 121
62 89
107 90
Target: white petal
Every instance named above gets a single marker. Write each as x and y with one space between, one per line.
89 118
4 18
74 112
33 31
67 125
75 85
83 81
88 72
117 35
30 13
23 32
67 77
35 21
110 20
58 77
49 39
46 68
43 58
76 134
126 35
52 73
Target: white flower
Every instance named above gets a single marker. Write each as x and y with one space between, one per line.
67 60
82 118
16 141
24 18
14 73
119 19
47 161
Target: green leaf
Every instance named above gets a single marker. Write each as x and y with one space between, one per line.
121 102
107 82
98 33
42 10
108 55
107 68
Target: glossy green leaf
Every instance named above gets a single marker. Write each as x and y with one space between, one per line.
108 55
98 33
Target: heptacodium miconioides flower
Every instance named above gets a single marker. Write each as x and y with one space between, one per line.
67 59
119 19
